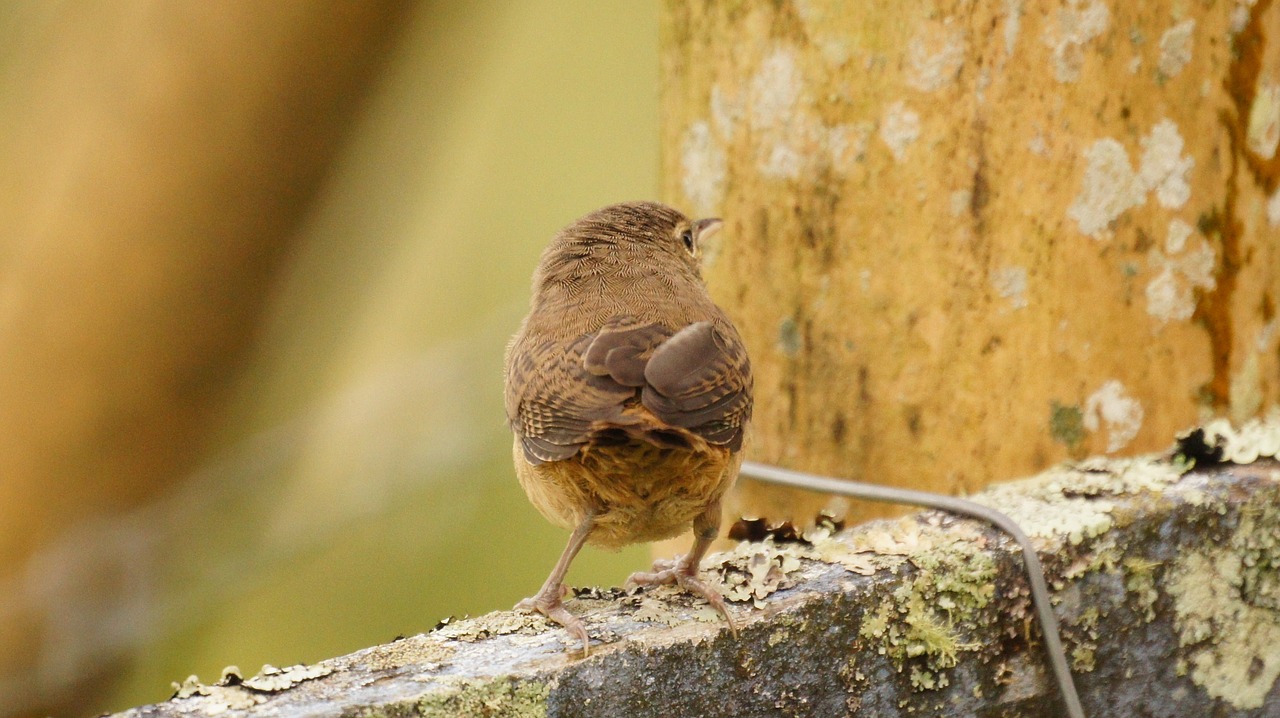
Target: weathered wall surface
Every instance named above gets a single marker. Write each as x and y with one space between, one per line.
966 240
1165 584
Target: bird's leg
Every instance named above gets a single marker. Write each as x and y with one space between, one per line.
684 570
549 600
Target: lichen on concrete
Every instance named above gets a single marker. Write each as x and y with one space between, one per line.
1227 606
929 614
487 698
1152 561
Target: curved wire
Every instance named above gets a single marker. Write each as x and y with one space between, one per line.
892 495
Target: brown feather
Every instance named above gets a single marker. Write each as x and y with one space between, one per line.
627 388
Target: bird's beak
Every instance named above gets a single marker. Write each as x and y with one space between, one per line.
705 228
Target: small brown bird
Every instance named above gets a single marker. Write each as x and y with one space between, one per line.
629 392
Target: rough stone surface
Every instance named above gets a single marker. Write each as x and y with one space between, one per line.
1164 570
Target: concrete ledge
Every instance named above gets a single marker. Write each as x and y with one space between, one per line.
1167 583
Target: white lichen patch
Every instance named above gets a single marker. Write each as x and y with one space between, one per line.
1110 185
1074 501
1225 603
1109 188
774 90
1264 121
790 140
1245 394
1255 438
1113 408
1180 271
702 167
1012 24
899 128
496 623
217 698
777 117
1266 334
1073 27
232 692
935 55
1175 48
825 31
271 679
1164 169
1011 284
1240 15
754 571
1050 515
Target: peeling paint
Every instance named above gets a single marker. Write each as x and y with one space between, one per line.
935 55
1076 24
1175 48
1264 122
1171 294
899 128
1011 284
703 168
1121 414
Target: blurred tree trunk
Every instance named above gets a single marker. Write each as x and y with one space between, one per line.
966 240
156 159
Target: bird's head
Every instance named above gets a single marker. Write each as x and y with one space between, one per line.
631 238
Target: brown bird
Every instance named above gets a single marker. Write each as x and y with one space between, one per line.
629 392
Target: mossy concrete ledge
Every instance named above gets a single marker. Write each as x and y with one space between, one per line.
1166 578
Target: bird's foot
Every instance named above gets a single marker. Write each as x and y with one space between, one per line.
551 605
685 574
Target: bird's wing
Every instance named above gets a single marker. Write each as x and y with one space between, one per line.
700 380
555 394
697 380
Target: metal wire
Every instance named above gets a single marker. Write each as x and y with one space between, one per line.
892 495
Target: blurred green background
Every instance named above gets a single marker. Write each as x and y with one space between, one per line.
355 483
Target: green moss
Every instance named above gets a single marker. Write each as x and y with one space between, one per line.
1066 425
920 627
789 340
1140 580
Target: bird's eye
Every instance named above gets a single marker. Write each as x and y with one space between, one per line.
687 238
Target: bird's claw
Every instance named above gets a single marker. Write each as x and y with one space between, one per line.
684 575
552 606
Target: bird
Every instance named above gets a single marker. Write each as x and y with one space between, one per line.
629 393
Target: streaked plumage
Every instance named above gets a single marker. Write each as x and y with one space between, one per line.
627 388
